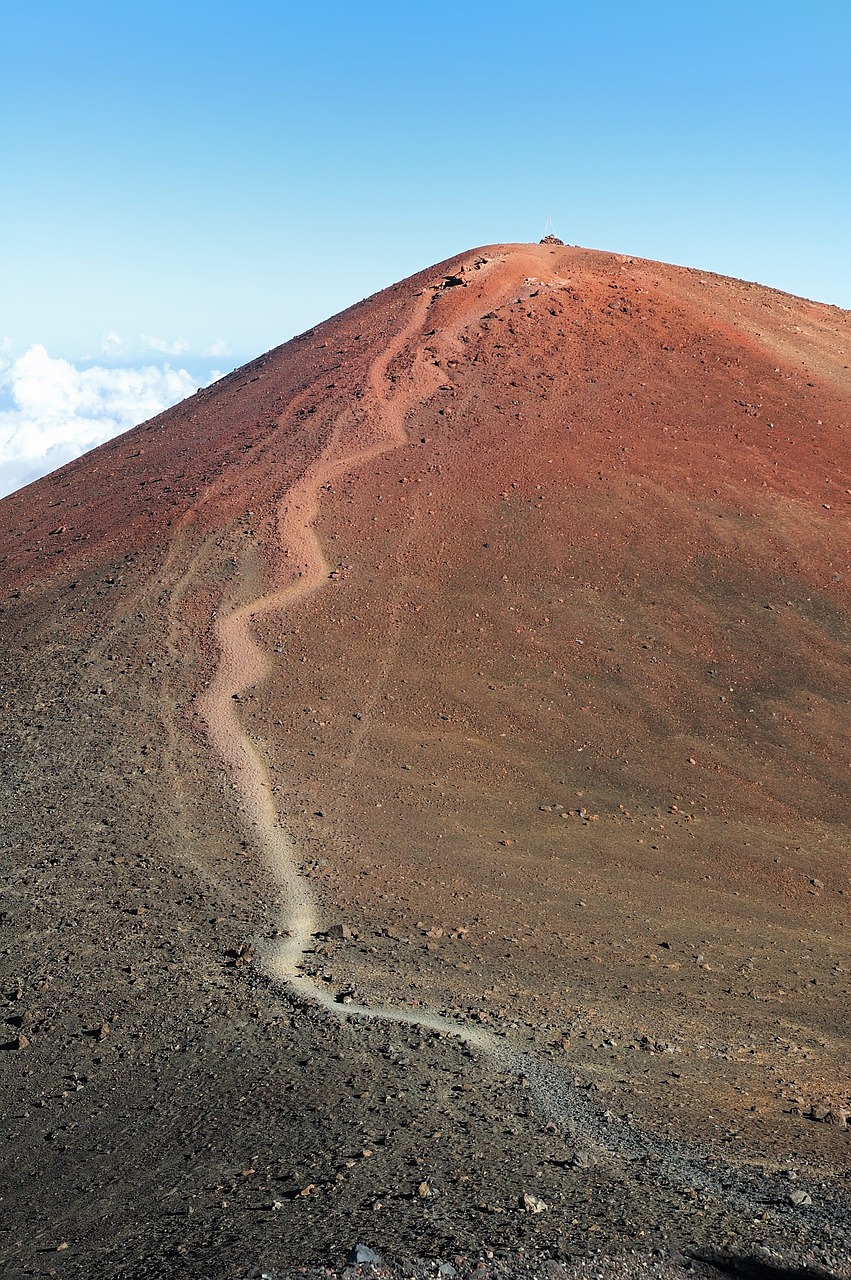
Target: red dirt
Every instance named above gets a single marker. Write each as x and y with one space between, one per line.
570 711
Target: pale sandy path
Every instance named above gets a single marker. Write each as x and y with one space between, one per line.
243 664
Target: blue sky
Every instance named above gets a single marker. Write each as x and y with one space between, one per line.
186 184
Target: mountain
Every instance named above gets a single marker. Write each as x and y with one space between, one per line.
431 741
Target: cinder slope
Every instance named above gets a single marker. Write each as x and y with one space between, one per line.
531 578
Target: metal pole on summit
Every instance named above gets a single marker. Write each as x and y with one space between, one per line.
549 235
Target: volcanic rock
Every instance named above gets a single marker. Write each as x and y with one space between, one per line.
480 570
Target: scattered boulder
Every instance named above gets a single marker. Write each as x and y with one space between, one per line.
553 1270
19 1042
362 1255
241 956
828 1113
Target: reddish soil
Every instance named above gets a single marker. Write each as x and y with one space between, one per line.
561 733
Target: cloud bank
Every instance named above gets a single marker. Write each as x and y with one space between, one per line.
52 411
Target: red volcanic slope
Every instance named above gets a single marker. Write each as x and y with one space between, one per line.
636 350
577 677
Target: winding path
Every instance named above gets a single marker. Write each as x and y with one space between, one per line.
243 664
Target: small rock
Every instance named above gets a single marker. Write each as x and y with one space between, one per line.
553 1270
362 1255
339 931
532 1204
447 1269
424 1190
798 1199
241 956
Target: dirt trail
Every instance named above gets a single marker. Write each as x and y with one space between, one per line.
243 664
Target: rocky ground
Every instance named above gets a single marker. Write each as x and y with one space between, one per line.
581 791
511 1264
168 1112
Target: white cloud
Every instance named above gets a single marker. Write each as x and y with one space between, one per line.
51 411
174 348
111 343
218 348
